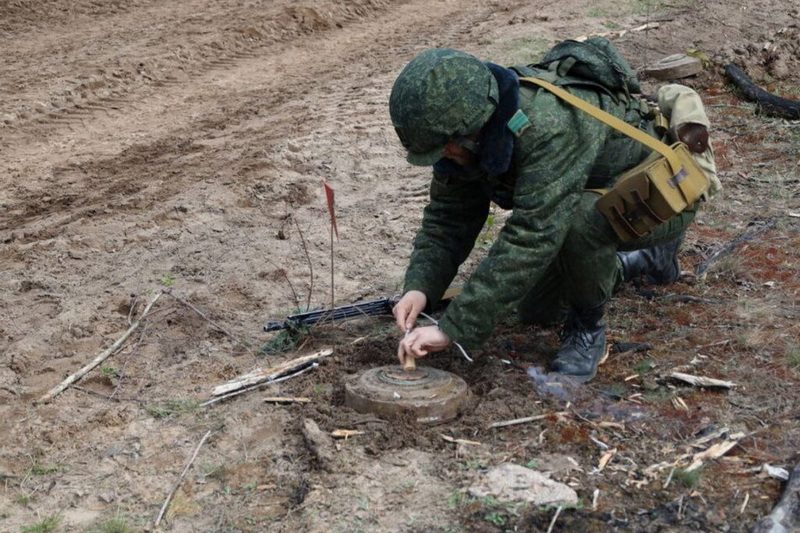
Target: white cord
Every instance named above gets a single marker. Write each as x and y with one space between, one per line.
461 348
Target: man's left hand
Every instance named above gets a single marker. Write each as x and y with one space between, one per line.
422 341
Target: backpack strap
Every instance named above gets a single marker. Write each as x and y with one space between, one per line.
612 121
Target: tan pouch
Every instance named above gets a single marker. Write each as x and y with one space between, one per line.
649 194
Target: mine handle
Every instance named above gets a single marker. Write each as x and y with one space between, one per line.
410 364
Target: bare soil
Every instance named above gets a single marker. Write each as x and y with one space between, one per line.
147 145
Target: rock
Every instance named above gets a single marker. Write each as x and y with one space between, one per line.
514 483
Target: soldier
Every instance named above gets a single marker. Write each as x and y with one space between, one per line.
556 260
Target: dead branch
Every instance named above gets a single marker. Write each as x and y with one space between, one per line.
55 391
619 33
785 516
259 385
286 399
180 479
448 438
750 234
771 104
525 420
701 381
555 517
259 376
346 433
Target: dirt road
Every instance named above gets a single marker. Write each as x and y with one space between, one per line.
147 145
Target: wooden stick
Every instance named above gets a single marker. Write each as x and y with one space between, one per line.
750 234
269 374
345 433
55 391
302 370
525 420
701 381
180 480
448 438
619 33
555 517
287 399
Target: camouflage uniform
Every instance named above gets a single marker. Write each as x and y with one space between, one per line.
556 250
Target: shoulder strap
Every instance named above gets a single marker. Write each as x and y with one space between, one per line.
614 122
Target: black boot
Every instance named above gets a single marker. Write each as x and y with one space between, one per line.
658 265
583 345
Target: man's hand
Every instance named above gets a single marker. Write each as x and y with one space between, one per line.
408 309
421 342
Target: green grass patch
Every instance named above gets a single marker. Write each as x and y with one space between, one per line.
46 525
38 469
644 366
793 357
109 371
23 499
171 407
118 524
686 478
285 341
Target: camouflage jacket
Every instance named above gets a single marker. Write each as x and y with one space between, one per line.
540 175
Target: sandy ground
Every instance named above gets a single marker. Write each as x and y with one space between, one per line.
147 145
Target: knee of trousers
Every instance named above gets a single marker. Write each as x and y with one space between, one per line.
589 230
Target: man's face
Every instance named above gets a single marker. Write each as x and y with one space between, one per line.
457 152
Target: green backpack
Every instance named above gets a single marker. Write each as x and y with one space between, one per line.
594 62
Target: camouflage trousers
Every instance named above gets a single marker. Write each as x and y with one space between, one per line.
587 270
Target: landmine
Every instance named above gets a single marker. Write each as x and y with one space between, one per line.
433 395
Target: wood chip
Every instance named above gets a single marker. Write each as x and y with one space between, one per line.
605 459
701 381
461 441
714 452
345 433
286 399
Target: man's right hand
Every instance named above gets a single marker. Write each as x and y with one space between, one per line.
408 309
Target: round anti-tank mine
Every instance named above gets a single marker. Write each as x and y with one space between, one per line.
433 395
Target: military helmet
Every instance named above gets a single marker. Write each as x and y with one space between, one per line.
439 95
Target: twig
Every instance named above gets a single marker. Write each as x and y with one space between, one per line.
55 391
258 375
202 315
555 517
310 264
258 385
669 478
525 420
744 504
180 480
286 399
728 248
448 438
701 381
121 373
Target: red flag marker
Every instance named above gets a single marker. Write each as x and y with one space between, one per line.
329 197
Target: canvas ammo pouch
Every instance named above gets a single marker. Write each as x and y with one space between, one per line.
652 192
